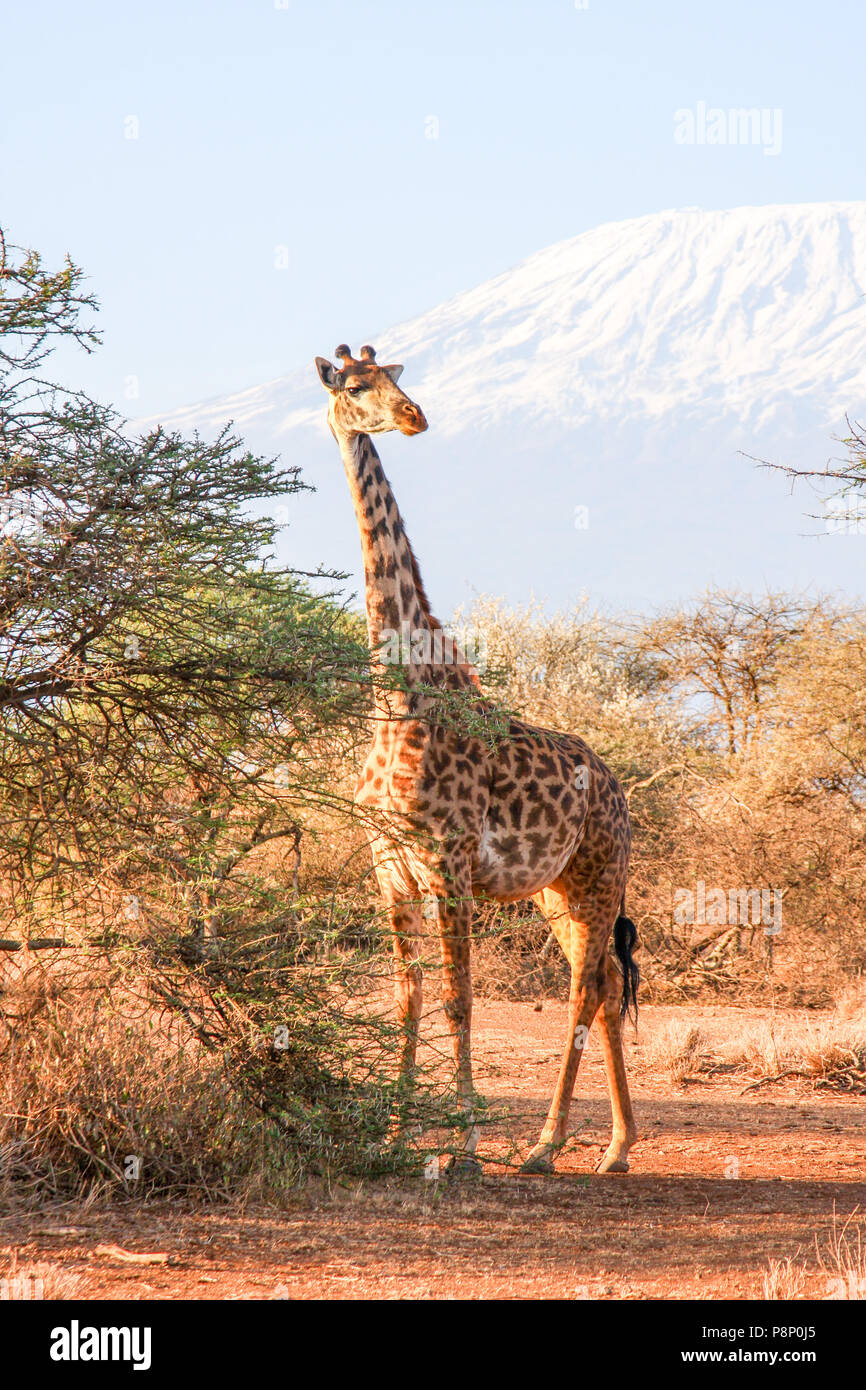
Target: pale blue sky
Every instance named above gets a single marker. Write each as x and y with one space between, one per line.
304 127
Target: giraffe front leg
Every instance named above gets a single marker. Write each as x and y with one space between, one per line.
454 906
408 981
404 918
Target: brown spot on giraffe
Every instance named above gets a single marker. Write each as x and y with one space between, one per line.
522 812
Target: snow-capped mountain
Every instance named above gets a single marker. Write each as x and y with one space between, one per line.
588 407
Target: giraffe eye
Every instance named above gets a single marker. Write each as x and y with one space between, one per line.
354 390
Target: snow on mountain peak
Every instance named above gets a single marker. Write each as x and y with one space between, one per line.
685 309
681 309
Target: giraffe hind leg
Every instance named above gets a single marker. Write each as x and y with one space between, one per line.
595 993
578 932
609 1018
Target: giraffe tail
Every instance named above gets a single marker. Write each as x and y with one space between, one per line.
624 942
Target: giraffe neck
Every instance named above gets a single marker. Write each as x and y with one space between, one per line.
400 625
396 602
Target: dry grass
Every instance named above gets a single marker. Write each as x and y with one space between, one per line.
829 1054
784 1280
131 1075
843 1258
826 1053
680 1049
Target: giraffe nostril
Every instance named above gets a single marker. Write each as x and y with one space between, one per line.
414 419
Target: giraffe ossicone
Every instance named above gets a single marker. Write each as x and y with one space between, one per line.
484 805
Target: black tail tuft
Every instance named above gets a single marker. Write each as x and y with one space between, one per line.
624 942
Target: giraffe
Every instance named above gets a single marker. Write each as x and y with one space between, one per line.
482 807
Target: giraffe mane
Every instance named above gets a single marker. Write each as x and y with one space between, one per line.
427 611
419 587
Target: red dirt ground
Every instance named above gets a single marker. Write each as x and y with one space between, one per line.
674 1227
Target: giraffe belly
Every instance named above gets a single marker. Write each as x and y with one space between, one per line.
517 871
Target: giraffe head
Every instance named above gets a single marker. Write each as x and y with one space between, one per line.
365 398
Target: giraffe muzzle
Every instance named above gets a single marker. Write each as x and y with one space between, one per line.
413 421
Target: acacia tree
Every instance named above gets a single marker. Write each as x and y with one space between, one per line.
841 484
726 653
160 675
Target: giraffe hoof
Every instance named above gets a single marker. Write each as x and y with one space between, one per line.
538 1163
463 1166
613 1165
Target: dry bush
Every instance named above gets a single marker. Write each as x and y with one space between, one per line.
515 955
850 1004
94 1074
137 1074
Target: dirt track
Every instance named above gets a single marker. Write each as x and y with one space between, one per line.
674 1227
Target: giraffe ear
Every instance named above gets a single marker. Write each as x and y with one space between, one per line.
328 374
394 371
